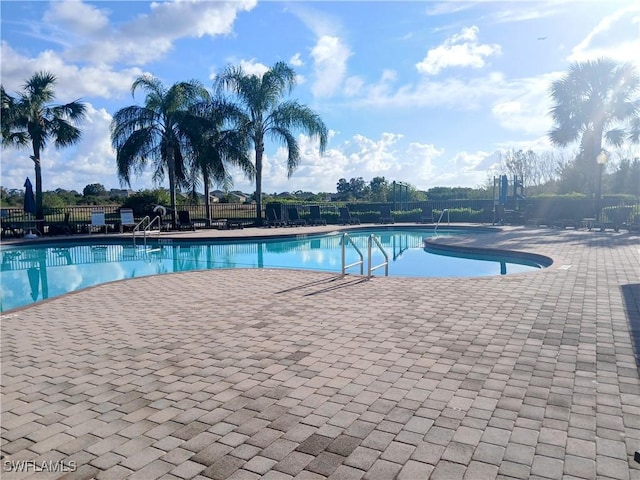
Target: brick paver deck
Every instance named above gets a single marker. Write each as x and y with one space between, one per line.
248 374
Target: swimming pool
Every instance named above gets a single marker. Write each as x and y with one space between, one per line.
32 273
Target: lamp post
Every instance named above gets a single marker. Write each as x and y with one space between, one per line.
601 160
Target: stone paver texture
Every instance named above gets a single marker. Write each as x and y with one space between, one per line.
249 373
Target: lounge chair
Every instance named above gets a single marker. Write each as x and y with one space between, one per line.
184 221
97 220
273 218
63 227
294 218
316 218
385 215
126 219
427 215
346 218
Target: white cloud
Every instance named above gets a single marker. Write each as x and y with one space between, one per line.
77 17
146 38
92 160
296 61
329 54
524 104
353 86
73 81
253 67
459 50
389 75
330 57
616 37
358 156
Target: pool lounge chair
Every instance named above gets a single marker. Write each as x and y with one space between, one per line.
126 219
63 227
273 218
97 220
385 215
294 218
427 215
316 218
184 221
346 218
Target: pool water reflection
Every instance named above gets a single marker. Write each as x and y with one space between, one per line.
34 273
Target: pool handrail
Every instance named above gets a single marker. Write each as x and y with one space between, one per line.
346 238
146 224
373 239
435 230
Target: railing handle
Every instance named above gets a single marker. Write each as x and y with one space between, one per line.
345 238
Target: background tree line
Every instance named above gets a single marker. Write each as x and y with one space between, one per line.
191 136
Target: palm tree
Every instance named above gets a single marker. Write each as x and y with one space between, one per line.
157 132
29 118
269 116
215 146
594 103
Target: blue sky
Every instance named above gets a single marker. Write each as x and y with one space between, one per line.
430 93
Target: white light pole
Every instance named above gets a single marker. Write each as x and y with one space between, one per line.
601 159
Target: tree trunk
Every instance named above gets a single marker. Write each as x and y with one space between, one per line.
207 203
259 152
38 169
172 186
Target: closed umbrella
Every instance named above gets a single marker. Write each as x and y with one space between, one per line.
29 197
29 203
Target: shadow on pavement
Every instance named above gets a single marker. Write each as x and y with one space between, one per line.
631 297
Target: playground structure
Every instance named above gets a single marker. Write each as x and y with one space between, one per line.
508 200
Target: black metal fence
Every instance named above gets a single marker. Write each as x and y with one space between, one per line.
475 210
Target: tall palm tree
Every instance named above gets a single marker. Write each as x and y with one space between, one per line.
157 132
595 103
218 141
268 115
30 118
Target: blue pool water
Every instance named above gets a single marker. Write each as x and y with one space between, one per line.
32 273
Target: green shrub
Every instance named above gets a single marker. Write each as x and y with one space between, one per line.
143 201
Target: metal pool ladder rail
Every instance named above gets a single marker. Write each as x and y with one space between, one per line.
346 238
372 239
145 224
435 230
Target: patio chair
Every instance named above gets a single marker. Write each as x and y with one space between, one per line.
97 220
184 221
126 219
273 217
346 218
8 225
294 218
427 215
63 227
385 215
316 218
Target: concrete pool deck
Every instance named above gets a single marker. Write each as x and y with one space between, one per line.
274 374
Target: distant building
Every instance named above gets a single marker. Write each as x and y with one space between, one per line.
117 192
233 197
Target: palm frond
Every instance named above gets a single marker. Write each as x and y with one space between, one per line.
284 137
133 153
64 134
292 115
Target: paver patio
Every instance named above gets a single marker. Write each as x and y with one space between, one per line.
248 374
